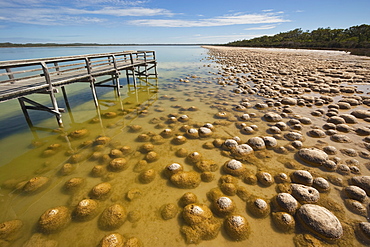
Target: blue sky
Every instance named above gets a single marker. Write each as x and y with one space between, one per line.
170 21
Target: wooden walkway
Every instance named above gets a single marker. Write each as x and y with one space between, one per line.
22 77
19 78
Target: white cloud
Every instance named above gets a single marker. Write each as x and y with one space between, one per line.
138 11
110 2
216 39
264 27
72 16
212 22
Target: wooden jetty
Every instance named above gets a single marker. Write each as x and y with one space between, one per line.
19 78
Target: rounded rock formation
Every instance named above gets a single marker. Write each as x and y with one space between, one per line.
321 184
320 221
302 177
54 219
237 227
9 230
173 168
234 167
286 202
169 211
223 206
112 240
101 191
272 117
73 184
196 213
188 198
305 194
355 192
362 182
186 180
283 221
265 178
259 208
313 156
147 176
112 217
35 184
117 164
85 210
257 143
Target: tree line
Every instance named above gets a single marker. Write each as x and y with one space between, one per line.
355 39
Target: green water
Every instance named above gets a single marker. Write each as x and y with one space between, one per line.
26 154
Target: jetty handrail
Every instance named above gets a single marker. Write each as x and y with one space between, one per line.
23 62
22 70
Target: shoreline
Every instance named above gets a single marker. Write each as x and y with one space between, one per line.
353 51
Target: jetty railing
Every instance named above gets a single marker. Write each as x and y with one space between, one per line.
19 78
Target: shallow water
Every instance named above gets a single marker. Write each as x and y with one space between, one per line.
23 155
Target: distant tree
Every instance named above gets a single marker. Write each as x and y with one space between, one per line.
353 37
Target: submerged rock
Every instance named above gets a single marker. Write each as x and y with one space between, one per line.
196 213
35 184
101 191
85 210
320 221
223 206
54 220
169 211
237 227
234 167
10 230
112 217
188 198
147 176
259 208
186 180
283 221
112 240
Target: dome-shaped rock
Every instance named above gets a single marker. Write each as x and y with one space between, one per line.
320 221
286 202
186 180
112 217
54 219
112 240
305 194
85 210
313 156
283 221
237 227
272 117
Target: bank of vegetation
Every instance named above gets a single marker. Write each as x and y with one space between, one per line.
355 39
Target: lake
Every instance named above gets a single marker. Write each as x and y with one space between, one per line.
128 166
